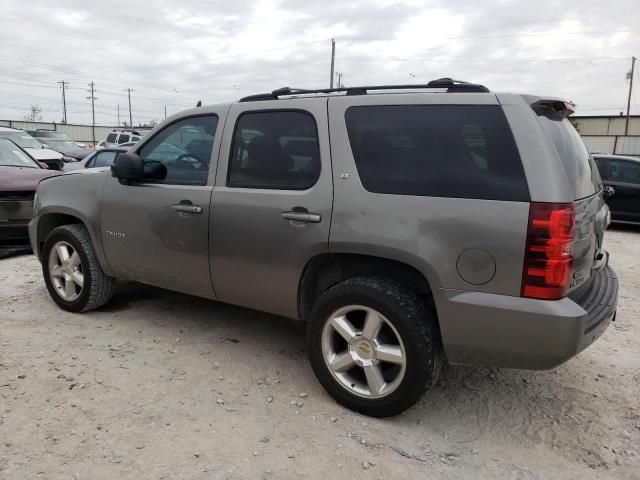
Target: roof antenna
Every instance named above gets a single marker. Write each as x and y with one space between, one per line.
199 104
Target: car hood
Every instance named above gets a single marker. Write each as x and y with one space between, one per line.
43 153
19 179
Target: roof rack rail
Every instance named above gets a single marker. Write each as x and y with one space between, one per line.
452 86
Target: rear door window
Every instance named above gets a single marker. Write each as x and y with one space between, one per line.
123 138
275 150
580 168
463 151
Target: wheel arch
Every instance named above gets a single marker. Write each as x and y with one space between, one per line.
47 221
325 270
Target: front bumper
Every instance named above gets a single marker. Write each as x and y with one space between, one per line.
483 329
15 214
14 233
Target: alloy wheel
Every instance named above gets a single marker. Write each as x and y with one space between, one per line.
66 271
363 351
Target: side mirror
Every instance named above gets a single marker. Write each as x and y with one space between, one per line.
128 167
608 192
43 165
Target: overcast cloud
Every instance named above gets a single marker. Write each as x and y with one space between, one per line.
175 53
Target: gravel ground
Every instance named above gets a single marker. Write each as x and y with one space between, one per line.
162 385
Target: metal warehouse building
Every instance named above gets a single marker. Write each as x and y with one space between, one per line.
606 134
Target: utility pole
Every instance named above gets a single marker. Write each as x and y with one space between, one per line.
129 90
93 110
333 58
339 75
118 114
165 112
64 101
626 124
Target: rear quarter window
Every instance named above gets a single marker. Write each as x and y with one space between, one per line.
462 151
581 170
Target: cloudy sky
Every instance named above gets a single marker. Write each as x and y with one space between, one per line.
175 53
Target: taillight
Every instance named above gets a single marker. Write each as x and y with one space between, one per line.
549 252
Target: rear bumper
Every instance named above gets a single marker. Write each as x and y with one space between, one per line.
501 331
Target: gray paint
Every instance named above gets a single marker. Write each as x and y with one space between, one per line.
240 250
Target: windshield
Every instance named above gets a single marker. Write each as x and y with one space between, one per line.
53 135
12 156
61 145
580 168
22 139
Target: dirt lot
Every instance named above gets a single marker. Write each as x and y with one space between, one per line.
163 385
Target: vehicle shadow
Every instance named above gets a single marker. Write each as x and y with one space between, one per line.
466 403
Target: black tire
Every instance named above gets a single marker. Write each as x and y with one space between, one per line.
97 289
415 323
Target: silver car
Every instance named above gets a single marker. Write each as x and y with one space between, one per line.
405 226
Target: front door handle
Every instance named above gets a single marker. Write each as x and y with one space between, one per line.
301 216
187 207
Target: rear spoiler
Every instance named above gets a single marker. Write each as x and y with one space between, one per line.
553 108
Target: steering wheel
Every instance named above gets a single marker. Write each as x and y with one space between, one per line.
188 155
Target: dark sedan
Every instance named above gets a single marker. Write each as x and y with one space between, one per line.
621 177
19 178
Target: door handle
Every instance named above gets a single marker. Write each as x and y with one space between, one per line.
187 208
302 216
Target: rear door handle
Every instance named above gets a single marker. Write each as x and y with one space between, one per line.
187 208
302 217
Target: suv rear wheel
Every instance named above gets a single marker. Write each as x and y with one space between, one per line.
373 345
71 270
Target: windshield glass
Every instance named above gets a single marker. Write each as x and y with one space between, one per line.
61 145
53 135
12 156
22 139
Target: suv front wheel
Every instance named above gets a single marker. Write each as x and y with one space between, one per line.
71 270
374 346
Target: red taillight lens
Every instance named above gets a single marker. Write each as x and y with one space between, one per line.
549 252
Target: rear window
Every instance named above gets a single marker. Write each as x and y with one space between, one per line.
463 151
581 170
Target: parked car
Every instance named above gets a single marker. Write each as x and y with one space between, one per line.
19 177
118 137
99 158
61 142
403 226
53 160
621 176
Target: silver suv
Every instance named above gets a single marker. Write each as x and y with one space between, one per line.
404 225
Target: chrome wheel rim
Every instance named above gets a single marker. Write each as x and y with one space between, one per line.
66 271
363 351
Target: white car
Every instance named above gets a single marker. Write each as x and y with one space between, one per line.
53 160
118 137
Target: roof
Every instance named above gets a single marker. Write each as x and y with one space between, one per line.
10 129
